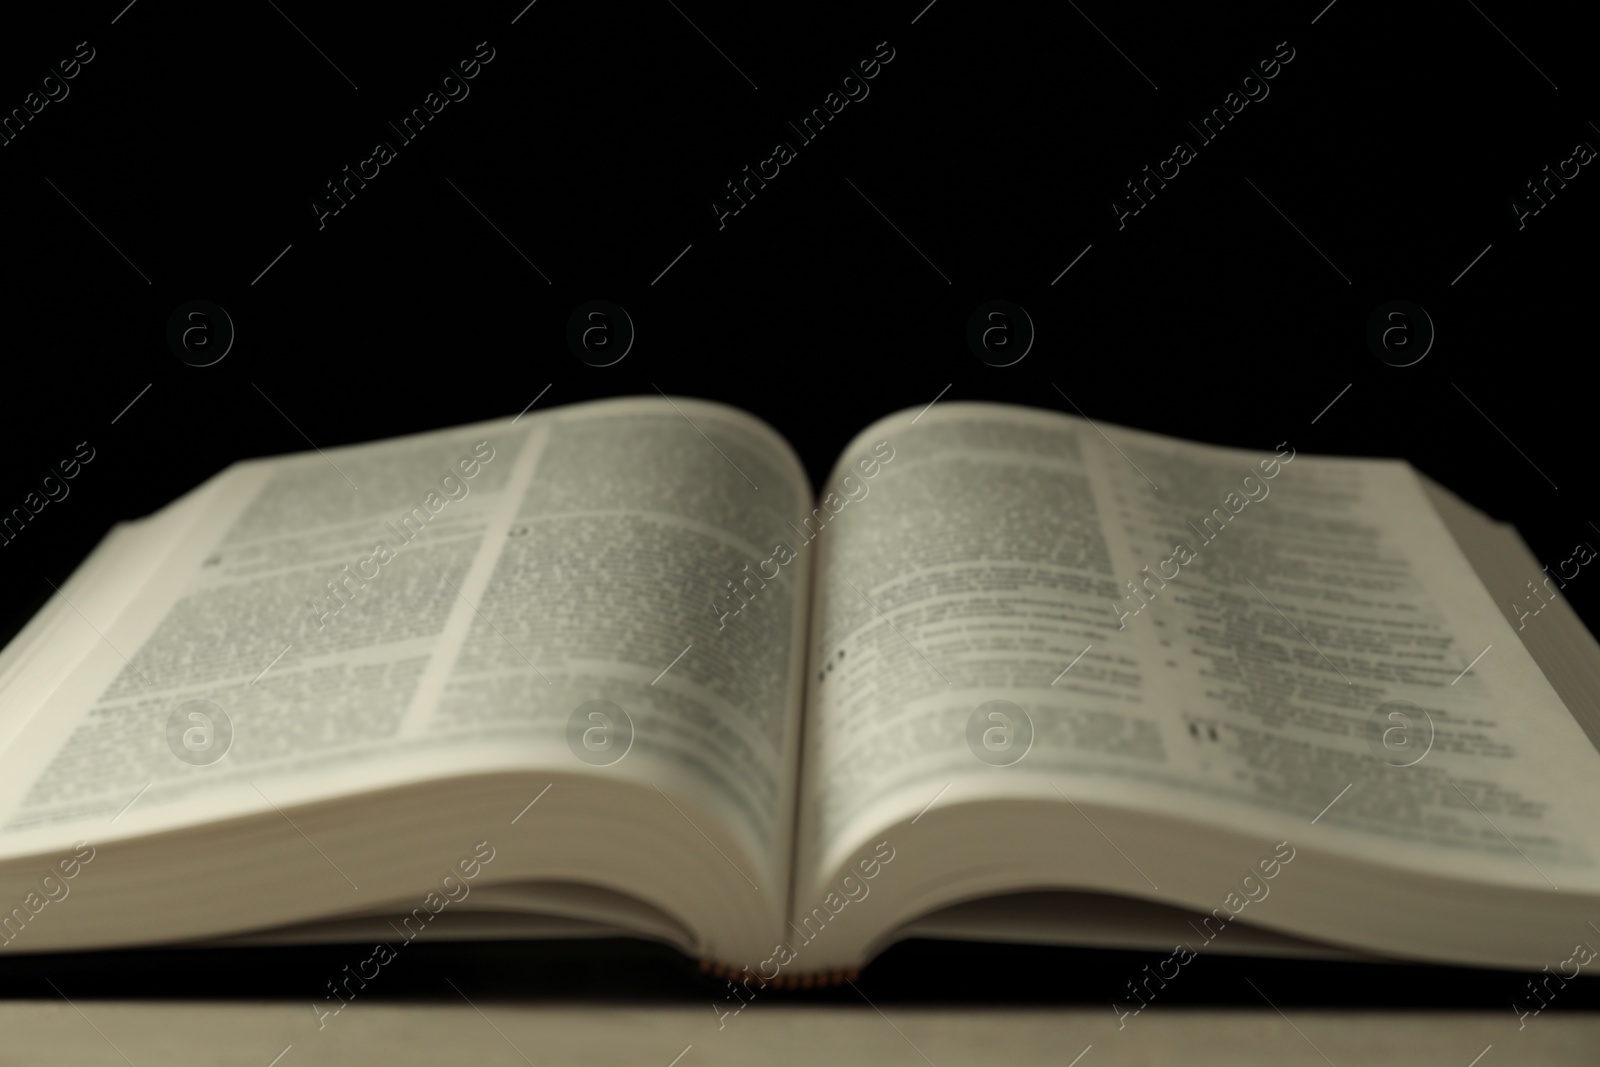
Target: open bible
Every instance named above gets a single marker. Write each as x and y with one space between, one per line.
615 669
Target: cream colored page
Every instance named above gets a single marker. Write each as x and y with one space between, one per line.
637 580
276 610
327 656
44 653
978 567
993 559
1337 658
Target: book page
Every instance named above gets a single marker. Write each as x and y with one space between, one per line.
1202 633
637 572
386 613
276 622
41 656
978 567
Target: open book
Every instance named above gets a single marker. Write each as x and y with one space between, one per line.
612 668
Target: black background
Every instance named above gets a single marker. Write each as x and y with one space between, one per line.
1232 309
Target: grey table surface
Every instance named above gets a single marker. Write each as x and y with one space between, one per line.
488 1034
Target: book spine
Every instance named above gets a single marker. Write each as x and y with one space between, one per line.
808 980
